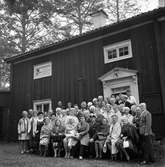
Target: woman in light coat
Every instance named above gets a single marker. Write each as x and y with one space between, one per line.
23 132
113 137
71 134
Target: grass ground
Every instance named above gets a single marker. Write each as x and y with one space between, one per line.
10 157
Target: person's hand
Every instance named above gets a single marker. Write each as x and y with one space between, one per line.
91 140
145 134
36 131
78 135
124 138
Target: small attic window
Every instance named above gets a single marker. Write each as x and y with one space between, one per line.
117 51
42 70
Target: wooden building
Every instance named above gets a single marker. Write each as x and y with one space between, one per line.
4 113
108 60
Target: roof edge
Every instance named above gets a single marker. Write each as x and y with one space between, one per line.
62 42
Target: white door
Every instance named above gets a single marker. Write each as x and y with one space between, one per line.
118 81
121 86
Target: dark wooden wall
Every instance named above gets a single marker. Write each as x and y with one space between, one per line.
4 113
76 72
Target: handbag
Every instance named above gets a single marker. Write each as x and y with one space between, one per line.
125 144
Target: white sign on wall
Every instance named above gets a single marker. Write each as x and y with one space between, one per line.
42 70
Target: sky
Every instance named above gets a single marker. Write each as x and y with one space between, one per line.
148 4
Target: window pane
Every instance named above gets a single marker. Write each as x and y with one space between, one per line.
46 107
126 51
123 51
112 54
39 107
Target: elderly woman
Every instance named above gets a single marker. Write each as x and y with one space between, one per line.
112 101
83 128
101 132
37 125
115 110
103 109
126 113
69 107
59 114
71 133
113 137
45 137
33 131
100 100
136 118
23 132
108 113
57 136
128 139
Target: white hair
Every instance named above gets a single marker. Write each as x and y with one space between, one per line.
126 109
143 105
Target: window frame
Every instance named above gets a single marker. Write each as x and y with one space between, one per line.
40 66
42 102
117 46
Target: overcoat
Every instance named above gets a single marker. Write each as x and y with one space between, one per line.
24 129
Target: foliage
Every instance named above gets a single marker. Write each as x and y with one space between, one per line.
122 9
23 26
28 24
77 12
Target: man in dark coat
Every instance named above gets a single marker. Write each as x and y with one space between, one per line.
146 134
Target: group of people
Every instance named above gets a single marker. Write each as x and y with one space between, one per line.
116 128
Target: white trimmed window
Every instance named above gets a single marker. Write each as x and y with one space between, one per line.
117 51
42 70
42 105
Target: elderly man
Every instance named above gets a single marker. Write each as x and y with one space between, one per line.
146 133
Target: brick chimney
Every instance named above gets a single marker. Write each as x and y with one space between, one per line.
161 3
99 18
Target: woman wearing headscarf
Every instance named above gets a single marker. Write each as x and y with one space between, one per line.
23 132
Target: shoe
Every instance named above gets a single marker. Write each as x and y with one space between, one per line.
128 158
97 157
22 152
80 158
71 157
143 163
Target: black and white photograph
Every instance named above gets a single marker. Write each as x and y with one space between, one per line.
82 83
